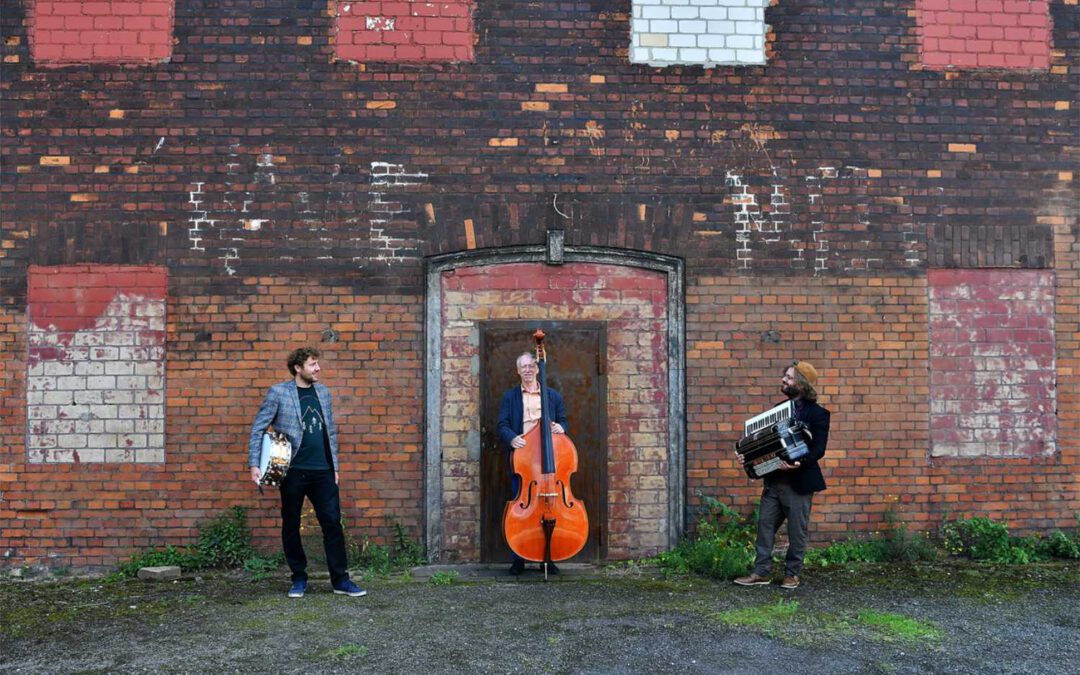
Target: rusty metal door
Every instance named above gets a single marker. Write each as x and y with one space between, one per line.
576 369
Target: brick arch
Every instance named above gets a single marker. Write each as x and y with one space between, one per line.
639 297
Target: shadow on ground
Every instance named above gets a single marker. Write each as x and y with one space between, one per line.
620 619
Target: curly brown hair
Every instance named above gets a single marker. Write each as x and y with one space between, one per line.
298 357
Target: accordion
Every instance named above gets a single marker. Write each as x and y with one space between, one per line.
770 439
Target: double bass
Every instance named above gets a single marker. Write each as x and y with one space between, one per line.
544 522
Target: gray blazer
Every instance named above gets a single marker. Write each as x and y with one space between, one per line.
281 409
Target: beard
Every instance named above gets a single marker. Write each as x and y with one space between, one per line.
310 379
791 391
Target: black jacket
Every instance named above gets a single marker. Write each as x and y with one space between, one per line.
807 478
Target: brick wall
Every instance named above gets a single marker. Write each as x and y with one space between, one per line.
225 352
74 32
869 339
294 197
633 303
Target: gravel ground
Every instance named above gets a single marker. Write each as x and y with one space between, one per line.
622 619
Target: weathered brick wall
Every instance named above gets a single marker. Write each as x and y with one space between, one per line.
292 196
223 353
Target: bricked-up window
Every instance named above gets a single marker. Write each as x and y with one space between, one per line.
95 370
405 31
703 32
984 33
992 381
74 32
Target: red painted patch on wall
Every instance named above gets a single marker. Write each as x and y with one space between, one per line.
992 363
73 32
68 298
405 31
984 33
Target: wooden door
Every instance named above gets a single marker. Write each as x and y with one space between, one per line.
576 352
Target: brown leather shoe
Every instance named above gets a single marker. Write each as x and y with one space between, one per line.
790 582
753 580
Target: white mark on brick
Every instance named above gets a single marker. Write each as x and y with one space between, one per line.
379 23
387 179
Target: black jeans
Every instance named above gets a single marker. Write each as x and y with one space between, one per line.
321 490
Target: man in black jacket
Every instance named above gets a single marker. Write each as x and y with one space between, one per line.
519 412
789 491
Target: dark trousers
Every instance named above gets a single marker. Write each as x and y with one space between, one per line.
321 490
780 502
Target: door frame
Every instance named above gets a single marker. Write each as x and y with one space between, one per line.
596 509
553 254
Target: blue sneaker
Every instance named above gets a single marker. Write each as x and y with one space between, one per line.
297 589
350 589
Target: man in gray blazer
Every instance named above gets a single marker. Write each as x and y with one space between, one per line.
301 409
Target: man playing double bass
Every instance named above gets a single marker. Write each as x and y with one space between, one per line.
519 412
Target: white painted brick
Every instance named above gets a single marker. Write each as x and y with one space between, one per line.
655 12
749 27
89 368
102 382
722 55
101 440
661 26
685 13
692 55
740 42
102 412
58 368
71 441
714 13
721 27
133 440
131 382
669 55
56 398
150 456
95 455
88 396
116 396
750 56
131 412
711 40
746 14
119 455
680 40
41 412
70 383
119 368
692 26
